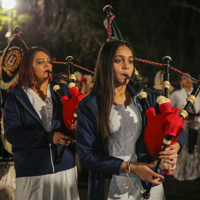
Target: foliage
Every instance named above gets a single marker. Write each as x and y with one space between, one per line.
154 28
17 19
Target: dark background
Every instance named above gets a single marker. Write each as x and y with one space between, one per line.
154 28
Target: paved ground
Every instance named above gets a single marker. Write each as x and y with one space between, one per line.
174 190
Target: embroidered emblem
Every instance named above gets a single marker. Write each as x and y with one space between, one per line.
12 61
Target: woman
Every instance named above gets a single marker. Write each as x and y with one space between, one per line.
110 121
79 85
188 166
34 126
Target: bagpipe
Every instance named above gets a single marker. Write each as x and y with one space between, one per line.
161 129
69 105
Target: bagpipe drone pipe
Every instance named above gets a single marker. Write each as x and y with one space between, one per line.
70 105
161 129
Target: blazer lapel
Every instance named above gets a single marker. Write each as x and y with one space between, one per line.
23 98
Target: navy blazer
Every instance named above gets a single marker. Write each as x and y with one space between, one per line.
33 148
90 148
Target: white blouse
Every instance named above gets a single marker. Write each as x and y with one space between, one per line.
44 108
178 99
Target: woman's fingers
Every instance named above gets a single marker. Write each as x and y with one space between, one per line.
173 167
146 174
169 156
156 181
73 126
154 178
170 153
172 161
155 175
170 148
65 142
61 139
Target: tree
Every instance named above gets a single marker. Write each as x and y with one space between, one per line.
154 28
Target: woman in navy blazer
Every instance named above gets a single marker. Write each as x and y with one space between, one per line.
33 123
110 127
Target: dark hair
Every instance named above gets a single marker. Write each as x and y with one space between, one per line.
26 75
181 75
104 81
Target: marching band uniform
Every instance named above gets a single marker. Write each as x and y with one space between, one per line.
188 167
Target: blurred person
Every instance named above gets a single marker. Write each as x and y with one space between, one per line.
79 85
158 83
110 140
33 123
83 83
88 88
86 84
188 165
158 80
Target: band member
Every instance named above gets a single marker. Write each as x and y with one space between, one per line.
34 126
110 127
188 162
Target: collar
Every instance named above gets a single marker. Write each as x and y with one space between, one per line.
135 91
48 92
30 92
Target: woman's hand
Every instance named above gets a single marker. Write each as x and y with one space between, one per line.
59 138
170 155
73 126
145 173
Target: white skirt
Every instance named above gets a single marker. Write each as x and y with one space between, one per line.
61 185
